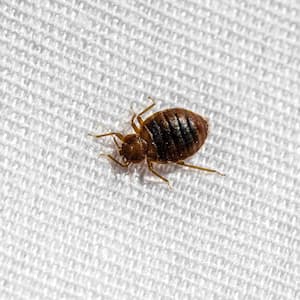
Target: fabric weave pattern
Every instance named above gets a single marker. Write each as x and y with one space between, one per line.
73 225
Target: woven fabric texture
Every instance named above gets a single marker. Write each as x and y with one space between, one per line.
75 226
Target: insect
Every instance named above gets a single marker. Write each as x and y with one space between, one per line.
170 135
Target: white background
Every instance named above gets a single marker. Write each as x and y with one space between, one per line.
75 226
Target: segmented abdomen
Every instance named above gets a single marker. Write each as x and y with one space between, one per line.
174 134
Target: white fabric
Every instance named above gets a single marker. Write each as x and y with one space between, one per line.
75 226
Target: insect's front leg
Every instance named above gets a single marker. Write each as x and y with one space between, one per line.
117 134
125 165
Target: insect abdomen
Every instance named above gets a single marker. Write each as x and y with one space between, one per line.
175 134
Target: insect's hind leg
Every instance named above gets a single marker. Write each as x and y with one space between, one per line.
150 167
182 163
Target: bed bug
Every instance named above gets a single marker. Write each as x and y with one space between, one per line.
170 135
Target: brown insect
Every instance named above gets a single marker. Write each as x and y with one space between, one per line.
170 135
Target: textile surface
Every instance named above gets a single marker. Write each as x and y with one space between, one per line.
74 225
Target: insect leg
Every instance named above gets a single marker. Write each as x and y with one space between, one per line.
150 167
182 163
139 118
117 134
116 161
116 143
133 125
